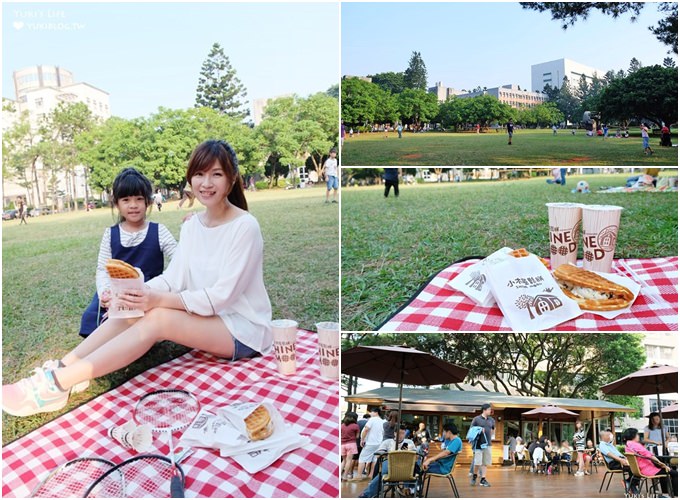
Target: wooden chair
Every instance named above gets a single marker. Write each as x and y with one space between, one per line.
523 459
526 462
644 479
427 477
400 470
611 473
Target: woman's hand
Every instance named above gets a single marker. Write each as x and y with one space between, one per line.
140 299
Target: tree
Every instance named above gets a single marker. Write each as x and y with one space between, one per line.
359 101
666 30
417 106
635 65
668 62
20 156
530 364
415 76
58 134
390 81
333 91
218 86
650 93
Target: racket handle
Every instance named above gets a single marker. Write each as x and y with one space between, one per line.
176 486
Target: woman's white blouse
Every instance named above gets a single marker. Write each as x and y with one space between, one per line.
218 271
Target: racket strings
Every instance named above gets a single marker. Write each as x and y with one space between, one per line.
167 411
72 479
140 477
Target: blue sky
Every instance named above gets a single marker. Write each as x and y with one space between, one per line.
148 55
488 44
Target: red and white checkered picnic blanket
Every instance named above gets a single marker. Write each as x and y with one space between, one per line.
439 308
306 401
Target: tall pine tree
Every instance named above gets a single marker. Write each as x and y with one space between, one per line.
415 76
218 86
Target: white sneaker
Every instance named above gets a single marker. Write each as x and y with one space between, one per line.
33 395
53 364
579 473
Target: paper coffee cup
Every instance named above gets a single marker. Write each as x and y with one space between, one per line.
329 349
600 231
565 223
285 334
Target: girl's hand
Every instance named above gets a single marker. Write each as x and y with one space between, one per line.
105 299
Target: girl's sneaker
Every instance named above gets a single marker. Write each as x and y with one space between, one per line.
53 364
33 395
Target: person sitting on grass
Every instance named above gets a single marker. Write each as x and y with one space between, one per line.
648 463
211 297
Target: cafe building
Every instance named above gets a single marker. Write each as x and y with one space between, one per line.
436 407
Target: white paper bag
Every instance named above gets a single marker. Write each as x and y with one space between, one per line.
258 460
209 431
528 295
116 310
472 281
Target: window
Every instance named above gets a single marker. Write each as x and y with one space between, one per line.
39 102
670 423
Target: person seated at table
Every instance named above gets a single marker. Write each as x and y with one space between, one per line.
538 457
442 462
672 445
647 461
552 453
565 453
423 448
652 433
519 450
615 459
532 447
589 452
422 432
373 488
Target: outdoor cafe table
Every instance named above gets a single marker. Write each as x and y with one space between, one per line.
437 307
306 402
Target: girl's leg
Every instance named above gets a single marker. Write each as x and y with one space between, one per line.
208 334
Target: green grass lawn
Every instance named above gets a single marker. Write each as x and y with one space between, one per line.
529 147
390 247
48 280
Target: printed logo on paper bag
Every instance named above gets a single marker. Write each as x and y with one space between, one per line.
596 246
477 281
563 242
538 304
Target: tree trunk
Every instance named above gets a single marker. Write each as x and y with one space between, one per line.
75 192
34 171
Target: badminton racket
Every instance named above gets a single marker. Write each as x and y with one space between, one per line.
168 410
71 480
143 476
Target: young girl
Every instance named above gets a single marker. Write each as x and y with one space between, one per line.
580 446
211 297
134 240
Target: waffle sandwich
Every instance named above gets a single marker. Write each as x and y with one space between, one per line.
259 424
118 269
590 290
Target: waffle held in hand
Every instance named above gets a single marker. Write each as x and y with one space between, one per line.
592 291
118 269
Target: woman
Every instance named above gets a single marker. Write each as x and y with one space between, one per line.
519 450
211 297
390 426
579 440
648 463
349 432
422 433
652 433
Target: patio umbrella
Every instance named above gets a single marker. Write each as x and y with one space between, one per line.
400 365
656 379
549 412
670 411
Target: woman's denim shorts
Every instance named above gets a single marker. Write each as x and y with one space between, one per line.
243 351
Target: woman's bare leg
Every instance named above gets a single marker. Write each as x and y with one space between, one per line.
105 332
208 334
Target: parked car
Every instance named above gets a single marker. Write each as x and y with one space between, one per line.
9 214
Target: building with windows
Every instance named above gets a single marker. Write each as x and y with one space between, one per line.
512 95
442 92
553 72
38 91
